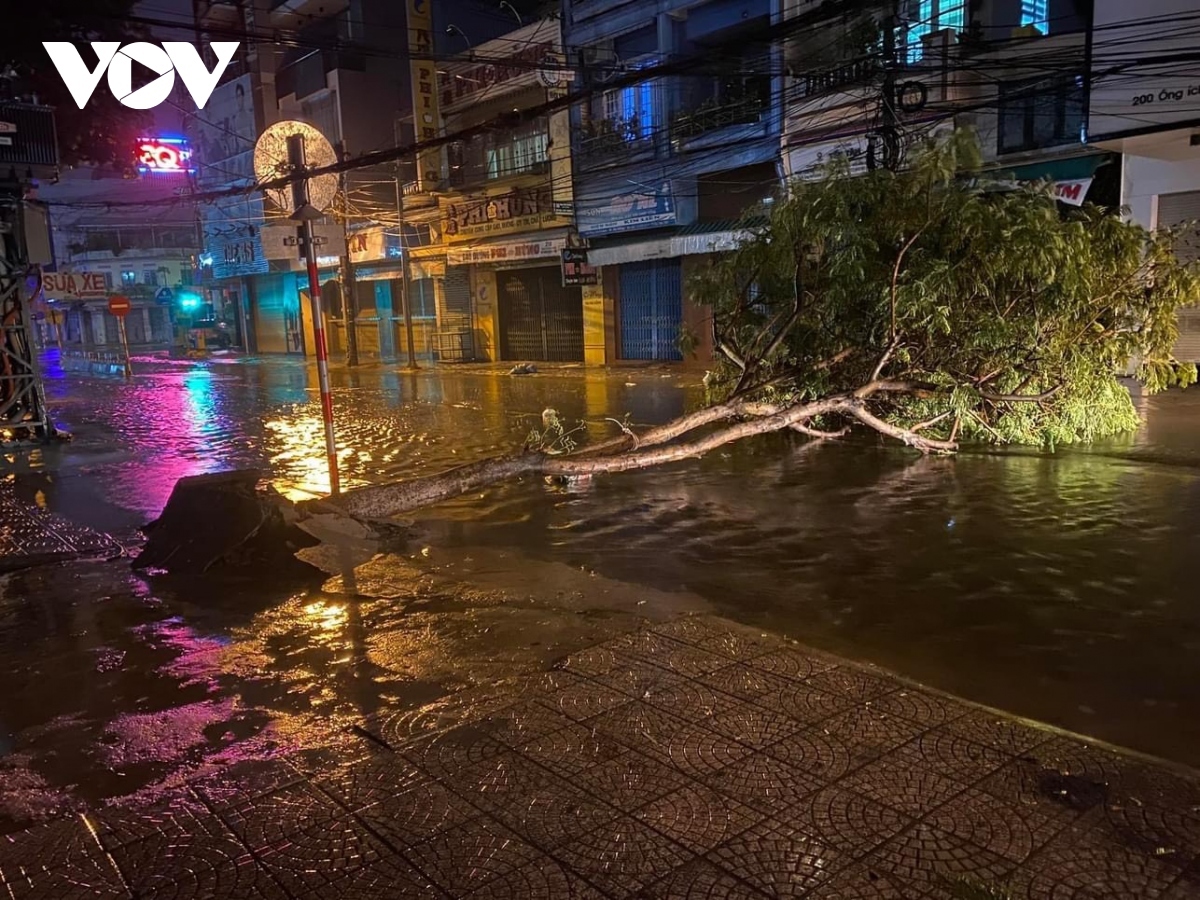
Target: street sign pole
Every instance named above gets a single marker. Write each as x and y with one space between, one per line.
306 213
125 348
119 306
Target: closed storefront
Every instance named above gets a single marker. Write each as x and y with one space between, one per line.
277 318
540 320
1174 210
651 310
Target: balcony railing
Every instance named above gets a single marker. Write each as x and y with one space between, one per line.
473 173
602 138
715 114
849 75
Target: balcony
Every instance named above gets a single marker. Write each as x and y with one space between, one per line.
715 114
618 138
471 174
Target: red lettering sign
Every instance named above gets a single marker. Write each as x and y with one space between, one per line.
163 155
73 285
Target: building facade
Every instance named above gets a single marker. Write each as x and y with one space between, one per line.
666 167
145 253
1145 105
500 212
356 70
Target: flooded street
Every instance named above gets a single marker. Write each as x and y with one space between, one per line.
1061 587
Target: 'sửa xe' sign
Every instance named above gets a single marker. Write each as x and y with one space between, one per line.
74 285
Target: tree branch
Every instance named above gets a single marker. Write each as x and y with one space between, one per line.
896 275
907 436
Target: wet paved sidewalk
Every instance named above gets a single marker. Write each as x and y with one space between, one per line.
694 759
30 536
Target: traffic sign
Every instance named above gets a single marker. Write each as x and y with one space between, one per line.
119 305
164 295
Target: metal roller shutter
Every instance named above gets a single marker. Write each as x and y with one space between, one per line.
651 310
1173 210
539 318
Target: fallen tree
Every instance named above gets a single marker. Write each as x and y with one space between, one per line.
930 307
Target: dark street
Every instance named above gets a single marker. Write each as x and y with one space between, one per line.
1059 587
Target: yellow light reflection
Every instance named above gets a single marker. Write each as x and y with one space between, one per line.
298 446
326 616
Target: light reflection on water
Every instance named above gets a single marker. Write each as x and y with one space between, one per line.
1062 587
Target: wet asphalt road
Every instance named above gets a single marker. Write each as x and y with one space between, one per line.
1059 586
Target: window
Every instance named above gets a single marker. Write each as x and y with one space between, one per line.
926 17
128 278
630 111
108 281
150 277
500 154
1037 14
1041 113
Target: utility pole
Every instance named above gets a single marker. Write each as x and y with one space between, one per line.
349 288
405 298
306 213
889 134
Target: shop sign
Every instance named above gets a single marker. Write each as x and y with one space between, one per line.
1146 76
74 285
521 209
462 84
630 210
497 253
373 244
1072 193
576 271
426 115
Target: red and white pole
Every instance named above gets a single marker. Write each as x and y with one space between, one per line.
306 214
318 317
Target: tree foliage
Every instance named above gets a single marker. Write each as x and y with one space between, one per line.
949 305
104 131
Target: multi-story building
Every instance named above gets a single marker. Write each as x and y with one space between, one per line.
145 253
488 276
1145 104
666 168
354 69
867 86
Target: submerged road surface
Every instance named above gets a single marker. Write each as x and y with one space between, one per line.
1060 586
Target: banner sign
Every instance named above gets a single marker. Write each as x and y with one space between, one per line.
628 211
521 209
74 285
492 253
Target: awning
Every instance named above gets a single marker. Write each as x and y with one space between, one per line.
1071 177
716 237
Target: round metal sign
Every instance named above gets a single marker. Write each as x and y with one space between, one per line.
271 162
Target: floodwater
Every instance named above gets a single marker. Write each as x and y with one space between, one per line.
1059 586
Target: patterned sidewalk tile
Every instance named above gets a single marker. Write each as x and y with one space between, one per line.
314 861
689 760
778 859
61 859
698 817
623 856
472 855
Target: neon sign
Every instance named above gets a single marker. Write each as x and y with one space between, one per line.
169 155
